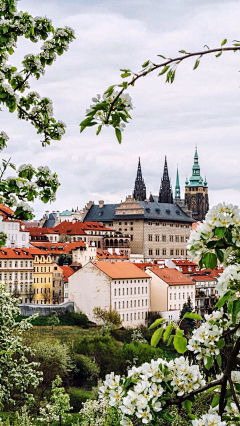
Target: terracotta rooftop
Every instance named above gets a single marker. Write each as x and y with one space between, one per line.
20 253
67 272
105 254
203 278
172 276
184 262
120 270
58 248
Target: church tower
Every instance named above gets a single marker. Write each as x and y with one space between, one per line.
165 192
196 192
139 192
177 188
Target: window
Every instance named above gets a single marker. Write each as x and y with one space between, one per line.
127 303
157 252
150 252
182 252
157 237
123 304
115 305
16 264
191 295
135 316
119 305
146 302
135 290
182 239
131 290
142 302
123 291
183 295
177 238
150 237
138 315
119 291
164 238
177 252
139 290
175 296
5 264
164 252
142 290
127 290
131 303
179 295
171 252
131 237
138 303
170 296
115 292
131 316
135 303
127 317
146 290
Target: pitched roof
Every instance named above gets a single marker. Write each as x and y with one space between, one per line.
5 210
143 266
67 272
203 278
58 248
183 262
105 254
120 270
171 276
152 210
20 253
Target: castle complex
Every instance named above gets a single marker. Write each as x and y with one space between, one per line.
195 202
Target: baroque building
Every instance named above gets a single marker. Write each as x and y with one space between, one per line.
196 192
139 192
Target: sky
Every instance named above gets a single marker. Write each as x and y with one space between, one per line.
202 107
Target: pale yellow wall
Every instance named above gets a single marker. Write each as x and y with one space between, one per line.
43 279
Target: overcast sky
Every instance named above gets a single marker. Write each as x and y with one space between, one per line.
202 107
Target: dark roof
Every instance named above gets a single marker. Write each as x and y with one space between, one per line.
50 222
152 210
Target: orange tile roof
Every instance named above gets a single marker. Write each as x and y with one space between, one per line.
203 278
105 254
67 272
5 210
171 276
120 270
183 262
54 248
20 253
143 266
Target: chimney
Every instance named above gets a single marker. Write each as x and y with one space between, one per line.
101 203
58 214
47 214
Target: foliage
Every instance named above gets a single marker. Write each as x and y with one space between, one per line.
112 109
187 324
65 259
53 320
98 413
17 373
109 318
29 182
54 360
78 397
151 391
58 406
86 372
78 318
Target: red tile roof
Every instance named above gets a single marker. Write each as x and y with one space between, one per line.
203 278
54 248
143 266
5 210
105 254
120 270
172 276
184 262
67 272
20 253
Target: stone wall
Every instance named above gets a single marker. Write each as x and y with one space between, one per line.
45 310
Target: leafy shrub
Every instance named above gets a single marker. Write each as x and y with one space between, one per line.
87 371
78 397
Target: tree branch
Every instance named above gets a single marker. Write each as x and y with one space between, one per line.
169 61
234 393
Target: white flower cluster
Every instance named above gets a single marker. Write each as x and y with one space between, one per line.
96 413
4 136
149 382
24 167
32 64
222 215
209 420
230 278
44 169
25 207
204 338
101 115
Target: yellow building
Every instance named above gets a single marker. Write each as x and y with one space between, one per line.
43 278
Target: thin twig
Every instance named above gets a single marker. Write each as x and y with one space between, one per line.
234 393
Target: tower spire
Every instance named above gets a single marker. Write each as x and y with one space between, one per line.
139 192
165 192
177 187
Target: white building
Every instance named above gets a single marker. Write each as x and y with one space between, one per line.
112 285
17 236
84 255
170 289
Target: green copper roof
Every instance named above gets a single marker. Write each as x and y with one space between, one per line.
196 179
177 188
65 213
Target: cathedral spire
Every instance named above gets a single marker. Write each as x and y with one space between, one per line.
177 187
165 192
139 192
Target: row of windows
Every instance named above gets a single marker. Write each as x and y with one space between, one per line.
178 238
171 252
132 290
42 280
130 281
16 264
130 304
175 306
169 224
20 288
10 226
42 302
134 315
42 269
15 276
43 290
179 296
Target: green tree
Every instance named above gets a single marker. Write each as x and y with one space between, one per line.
65 259
17 372
108 318
29 183
53 320
187 324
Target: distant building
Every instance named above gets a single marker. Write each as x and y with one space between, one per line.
139 192
112 285
165 192
206 293
17 235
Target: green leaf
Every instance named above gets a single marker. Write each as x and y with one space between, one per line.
215 400
192 417
145 64
180 344
156 336
156 323
188 406
210 260
110 90
164 70
164 57
223 299
118 134
209 362
219 254
182 51
125 74
167 332
99 129
196 64
224 42
192 315
170 340
219 360
218 54
219 232
166 416
125 84
220 344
